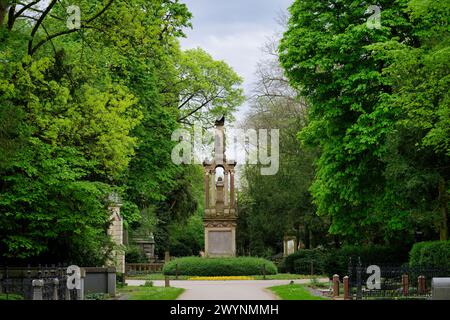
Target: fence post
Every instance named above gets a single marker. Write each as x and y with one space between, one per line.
405 284
55 288
38 285
359 280
167 282
422 286
346 289
335 285
264 271
176 271
80 292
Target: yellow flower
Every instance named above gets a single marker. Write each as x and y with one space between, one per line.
223 278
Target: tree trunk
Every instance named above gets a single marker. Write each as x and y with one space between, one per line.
3 11
443 208
307 237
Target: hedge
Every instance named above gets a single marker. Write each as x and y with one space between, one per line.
331 261
240 266
430 254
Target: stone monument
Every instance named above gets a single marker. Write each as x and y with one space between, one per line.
115 231
220 203
289 245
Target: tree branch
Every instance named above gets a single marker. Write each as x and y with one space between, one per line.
199 107
32 50
25 7
11 18
38 24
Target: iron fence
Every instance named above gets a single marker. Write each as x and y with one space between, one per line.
395 282
132 269
17 282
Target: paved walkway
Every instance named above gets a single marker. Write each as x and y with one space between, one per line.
223 290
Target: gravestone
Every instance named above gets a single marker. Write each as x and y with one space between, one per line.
440 288
289 245
147 245
220 204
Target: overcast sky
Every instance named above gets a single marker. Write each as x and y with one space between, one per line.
234 31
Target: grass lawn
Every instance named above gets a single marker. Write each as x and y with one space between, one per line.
150 293
280 276
10 296
294 292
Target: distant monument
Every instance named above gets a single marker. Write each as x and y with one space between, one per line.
220 204
115 231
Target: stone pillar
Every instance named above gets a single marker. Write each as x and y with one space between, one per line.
80 292
115 231
232 189
346 288
212 202
207 187
67 293
405 284
225 189
55 289
38 286
335 285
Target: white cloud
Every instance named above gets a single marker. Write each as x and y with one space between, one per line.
234 31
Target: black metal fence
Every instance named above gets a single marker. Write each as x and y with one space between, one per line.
17 283
394 282
133 269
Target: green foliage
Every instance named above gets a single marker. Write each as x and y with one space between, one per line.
294 292
430 254
150 293
265 216
4 296
208 89
336 261
87 112
378 106
148 283
197 266
96 296
135 254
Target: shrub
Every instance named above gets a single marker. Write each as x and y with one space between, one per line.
430 254
339 259
336 261
148 283
300 261
135 254
241 266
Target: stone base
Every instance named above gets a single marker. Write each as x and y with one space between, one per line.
220 241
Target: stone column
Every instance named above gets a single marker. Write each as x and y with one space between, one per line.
80 292
38 286
212 198
232 188
207 190
115 231
225 189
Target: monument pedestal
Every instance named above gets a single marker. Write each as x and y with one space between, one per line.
220 238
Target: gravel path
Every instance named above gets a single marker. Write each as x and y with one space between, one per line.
224 290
